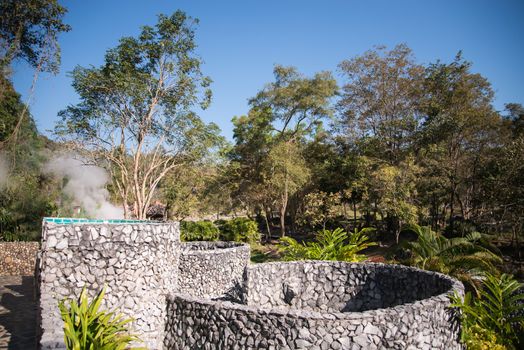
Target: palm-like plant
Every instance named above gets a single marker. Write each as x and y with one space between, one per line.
466 258
88 328
329 245
496 316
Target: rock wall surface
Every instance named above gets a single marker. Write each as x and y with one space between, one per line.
212 269
339 286
137 261
287 309
18 258
205 295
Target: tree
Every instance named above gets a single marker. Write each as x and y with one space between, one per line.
459 129
297 106
379 101
25 193
29 31
297 103
320 207
245 173
286 171
136 113
393 190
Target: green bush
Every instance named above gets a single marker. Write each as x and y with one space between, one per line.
239 230
495 317
86 327
330 245
198 231
465 258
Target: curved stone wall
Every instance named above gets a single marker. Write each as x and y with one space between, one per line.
137 260
212 269
339 286
314 305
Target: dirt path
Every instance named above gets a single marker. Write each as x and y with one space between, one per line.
17 313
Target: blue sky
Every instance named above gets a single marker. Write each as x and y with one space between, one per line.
241 41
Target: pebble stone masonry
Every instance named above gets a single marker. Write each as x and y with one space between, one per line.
205 295
212 269
137 260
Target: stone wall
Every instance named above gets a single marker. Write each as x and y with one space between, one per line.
137 261
338 286
280 314
211 269
18 258
205 295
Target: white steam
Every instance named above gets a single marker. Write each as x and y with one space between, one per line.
86 186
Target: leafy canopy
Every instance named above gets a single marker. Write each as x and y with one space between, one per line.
29 31
136 112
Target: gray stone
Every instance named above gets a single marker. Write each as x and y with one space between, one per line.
206 295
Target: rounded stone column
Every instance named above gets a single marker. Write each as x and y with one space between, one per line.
137 260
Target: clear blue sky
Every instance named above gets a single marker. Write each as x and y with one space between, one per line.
240 41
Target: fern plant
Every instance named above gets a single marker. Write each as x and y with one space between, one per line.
86 327
466 258
496 317
329 245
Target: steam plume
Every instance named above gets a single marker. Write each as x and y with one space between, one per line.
86 185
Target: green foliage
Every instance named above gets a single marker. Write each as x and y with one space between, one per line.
329 245
29 30
239 230
86 327
198 231
136 111
320 207
379 100
496 317
465 258
26 194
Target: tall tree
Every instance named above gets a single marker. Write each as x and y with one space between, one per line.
253 136
136 113
460 127
379 100
29 32
297 105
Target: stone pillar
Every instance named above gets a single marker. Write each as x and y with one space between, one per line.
138 261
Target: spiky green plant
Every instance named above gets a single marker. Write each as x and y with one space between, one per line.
329 245
86 327
466 258
495 317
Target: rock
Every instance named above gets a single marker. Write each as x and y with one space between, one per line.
51 242
63 244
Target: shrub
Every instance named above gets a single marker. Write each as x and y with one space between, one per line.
495 317
466 258
198 231
329 245
239 230
86 327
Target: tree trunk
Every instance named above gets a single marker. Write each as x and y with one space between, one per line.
451 208
283 214
266 220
